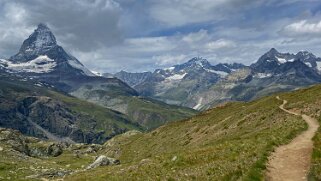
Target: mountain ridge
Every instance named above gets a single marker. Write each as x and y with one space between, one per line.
41 59
198 84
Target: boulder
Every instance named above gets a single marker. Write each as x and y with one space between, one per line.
102 160
54 150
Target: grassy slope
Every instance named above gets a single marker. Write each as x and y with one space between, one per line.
155 113
105 117
225 143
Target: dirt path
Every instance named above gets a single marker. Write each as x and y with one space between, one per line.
292 161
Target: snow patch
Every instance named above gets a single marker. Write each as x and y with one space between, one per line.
221 73
281 60
96 73
318 65
176 77
199 104
262 75
41 64
169 69
308 64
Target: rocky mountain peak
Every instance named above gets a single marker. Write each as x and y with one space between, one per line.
40 53
305 55
272 51
196 62
42 38
38 43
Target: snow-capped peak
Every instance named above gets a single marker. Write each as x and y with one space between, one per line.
38 43
199 61
42 38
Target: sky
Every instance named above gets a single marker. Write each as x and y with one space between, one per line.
142 35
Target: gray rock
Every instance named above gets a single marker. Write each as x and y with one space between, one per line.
102 160
54 150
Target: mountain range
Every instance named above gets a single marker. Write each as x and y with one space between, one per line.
150 99
41 62
199 85
73 124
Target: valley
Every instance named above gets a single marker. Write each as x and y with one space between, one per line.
234 140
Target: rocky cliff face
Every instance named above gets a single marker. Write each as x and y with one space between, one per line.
44 113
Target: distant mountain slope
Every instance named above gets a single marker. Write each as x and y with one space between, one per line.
42 59
37 110
199 85
177 84
147 112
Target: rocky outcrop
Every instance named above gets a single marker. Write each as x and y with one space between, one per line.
51 119
45 150
44 113
30 146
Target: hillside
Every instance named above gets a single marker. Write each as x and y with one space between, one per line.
38 110
230 142
146 112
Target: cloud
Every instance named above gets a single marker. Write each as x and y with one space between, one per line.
302 28
114 35
201 35
147 53
219 44
13 28
149 44
168 60
84 25
181 12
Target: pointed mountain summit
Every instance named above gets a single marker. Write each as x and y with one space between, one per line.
41 58
39 42
271 60
40 54
197 62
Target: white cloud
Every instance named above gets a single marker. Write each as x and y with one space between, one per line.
113 35
302 28
84 25
149 44
219 44
201 35
181 12
177 12
169 60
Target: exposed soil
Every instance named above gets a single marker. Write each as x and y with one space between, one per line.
292 161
